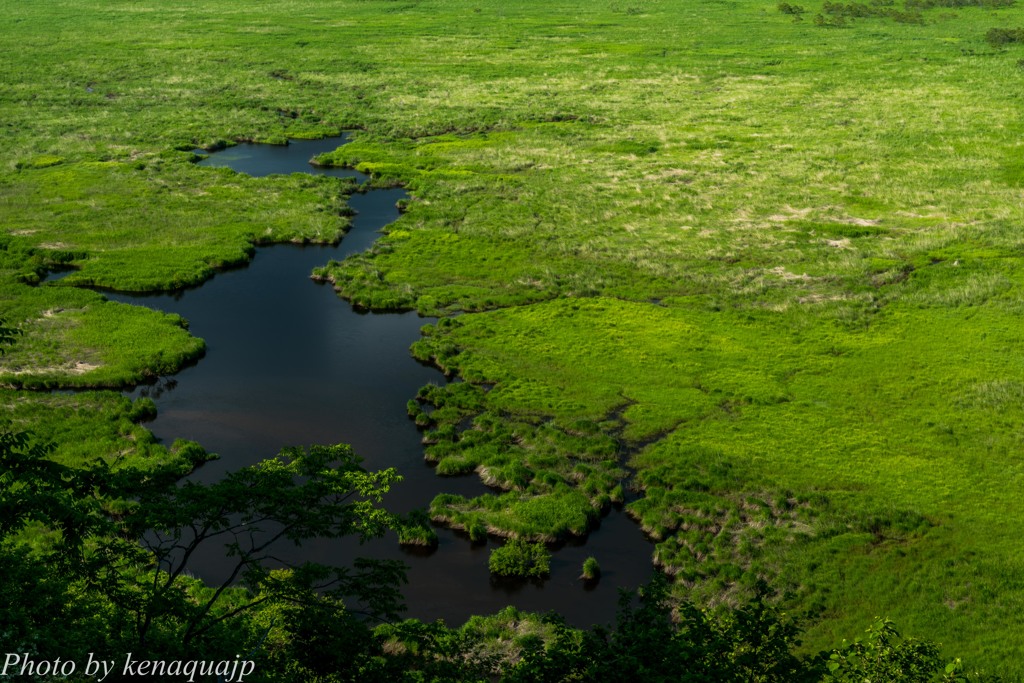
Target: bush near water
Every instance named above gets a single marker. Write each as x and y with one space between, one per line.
792 247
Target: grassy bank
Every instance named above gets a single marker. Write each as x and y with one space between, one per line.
835 461
767 263
95 425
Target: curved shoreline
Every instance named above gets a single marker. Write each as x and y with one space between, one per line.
451 582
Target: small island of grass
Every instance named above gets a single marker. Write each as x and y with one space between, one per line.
519 558
415 529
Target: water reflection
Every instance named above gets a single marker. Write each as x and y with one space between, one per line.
289 363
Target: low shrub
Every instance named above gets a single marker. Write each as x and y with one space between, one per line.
415 529
520 558
1004 36
787 8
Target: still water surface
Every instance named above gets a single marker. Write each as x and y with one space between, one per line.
289 363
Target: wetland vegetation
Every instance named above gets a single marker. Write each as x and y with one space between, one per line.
751 271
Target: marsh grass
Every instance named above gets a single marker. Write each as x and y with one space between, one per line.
777 435
161 223
85 426
519 559
415 530
702 228
76 338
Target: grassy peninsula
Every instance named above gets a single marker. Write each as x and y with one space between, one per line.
752 270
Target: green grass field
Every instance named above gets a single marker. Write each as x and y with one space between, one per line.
765 267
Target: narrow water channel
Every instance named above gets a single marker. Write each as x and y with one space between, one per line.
289 363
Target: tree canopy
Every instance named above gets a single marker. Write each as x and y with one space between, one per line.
96 559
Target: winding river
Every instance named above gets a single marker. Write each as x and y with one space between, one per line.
289 363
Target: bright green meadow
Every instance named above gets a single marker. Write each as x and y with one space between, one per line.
753 272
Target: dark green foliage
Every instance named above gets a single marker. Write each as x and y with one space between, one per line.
36 490
96 589
327 646
836 13
48 607
787 8
855 10
143 409
45 608
321 643
1004 36
477 531
883 656
634 147
651 643
657 640
929 4
415 529
7 335
414 651
319 493
519 558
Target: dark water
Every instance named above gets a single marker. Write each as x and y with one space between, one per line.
263 160
289 363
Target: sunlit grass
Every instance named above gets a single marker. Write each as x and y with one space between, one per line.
764 259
